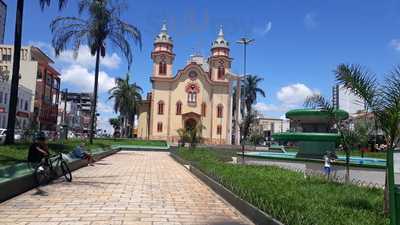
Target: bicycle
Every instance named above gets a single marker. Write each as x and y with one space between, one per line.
45 171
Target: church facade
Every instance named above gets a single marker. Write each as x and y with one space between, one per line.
199 93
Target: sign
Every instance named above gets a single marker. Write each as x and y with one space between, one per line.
396 166
22 114
396 161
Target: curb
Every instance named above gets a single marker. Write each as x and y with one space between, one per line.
250 211
19 185
141 148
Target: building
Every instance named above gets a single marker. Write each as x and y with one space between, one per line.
71 118
81 104
270 126
344 99
3 17
24 104
36 74
199 93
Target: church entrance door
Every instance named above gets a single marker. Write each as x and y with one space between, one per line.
190 124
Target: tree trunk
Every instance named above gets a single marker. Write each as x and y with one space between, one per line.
386 195
12 110
96 80
133 125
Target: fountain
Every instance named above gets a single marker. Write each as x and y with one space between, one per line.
312 132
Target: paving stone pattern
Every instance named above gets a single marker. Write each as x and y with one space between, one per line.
147 188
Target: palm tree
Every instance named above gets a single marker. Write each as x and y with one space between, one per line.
126 99
347 135
250 89
16 65
383 101
102 26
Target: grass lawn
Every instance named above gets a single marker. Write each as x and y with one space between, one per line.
10 154
288 196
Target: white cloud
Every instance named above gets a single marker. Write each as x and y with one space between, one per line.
105 107
263 30
263 107
85 59
294 94
83 80
310 20
395 44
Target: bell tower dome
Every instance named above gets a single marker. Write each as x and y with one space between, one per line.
219 61
162 54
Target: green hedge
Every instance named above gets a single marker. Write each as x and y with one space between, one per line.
291 198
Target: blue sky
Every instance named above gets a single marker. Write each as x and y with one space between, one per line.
298 43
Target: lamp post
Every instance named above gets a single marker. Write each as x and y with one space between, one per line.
65 125
242 41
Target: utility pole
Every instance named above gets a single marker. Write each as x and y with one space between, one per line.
12 109
243 41
65 113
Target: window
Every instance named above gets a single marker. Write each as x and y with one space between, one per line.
221 72
160 108
219 129
26 106
162 70
203 109
179 108
192 90
219 111
192 97
159 127
5 98
21 104
1 97
39 74
6 58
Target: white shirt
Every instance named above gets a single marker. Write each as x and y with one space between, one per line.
327 161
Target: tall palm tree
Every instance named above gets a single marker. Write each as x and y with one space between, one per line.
250 89
126 99
102 26
383 101
12 111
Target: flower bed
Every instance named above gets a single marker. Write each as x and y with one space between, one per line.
288 196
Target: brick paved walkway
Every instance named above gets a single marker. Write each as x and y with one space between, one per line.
125 188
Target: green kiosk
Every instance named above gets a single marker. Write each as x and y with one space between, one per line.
312 131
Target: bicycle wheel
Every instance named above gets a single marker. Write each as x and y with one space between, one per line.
42 174
65 171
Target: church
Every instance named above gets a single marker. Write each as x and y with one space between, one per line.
198 93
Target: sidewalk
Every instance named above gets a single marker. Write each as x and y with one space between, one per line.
125 188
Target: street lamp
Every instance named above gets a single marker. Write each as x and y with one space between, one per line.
65 125
242 41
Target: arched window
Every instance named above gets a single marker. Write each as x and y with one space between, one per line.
160 108
162 70
220 109
219 129
179 108
192 90
159 127
221 72
203 109
192 97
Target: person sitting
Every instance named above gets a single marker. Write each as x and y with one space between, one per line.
38 149
81 154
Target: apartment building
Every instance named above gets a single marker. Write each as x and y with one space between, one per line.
37 75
